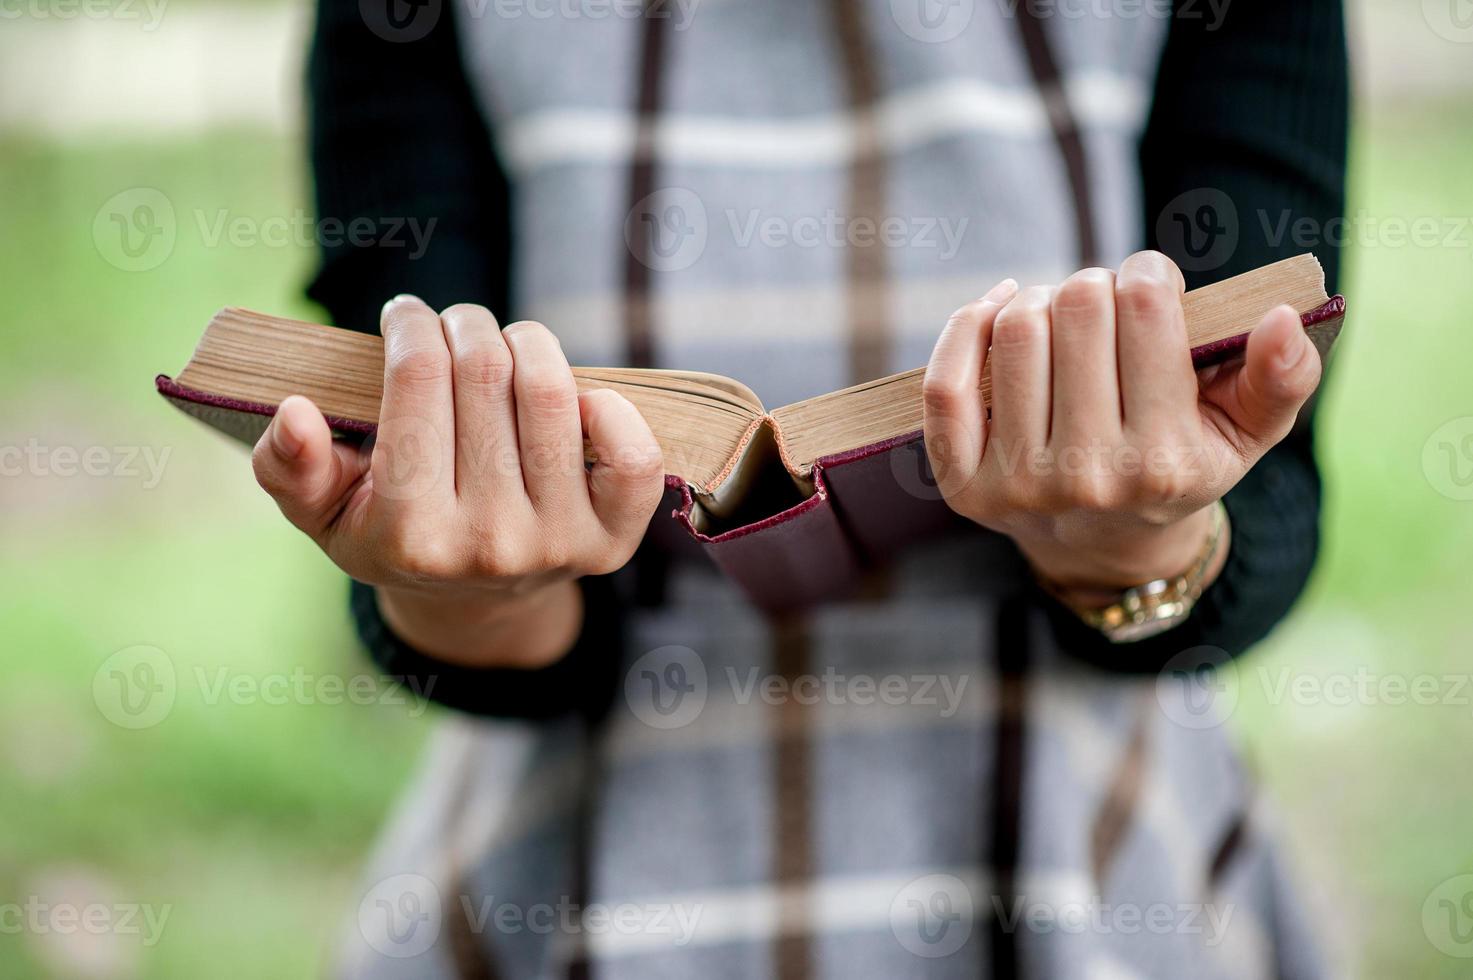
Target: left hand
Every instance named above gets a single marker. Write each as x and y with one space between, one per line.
1105 447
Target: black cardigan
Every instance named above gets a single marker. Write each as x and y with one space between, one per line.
1251 111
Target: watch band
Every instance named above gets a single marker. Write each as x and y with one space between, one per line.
1158 605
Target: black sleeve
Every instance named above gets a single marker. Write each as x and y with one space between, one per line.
1247 136
411 199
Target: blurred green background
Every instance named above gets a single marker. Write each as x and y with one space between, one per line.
248 819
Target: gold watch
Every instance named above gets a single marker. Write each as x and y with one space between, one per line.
1157 606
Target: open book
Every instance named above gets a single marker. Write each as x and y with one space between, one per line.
768 491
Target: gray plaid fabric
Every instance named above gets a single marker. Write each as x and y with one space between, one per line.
916 783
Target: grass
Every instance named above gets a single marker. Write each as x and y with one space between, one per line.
249 818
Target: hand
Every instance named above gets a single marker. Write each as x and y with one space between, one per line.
1104 446
472 510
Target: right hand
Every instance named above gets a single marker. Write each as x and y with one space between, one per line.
473 503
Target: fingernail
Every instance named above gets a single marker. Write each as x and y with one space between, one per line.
1290 357
284 440
403 298
1002 292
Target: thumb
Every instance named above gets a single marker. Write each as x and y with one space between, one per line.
304 471
627 479
1280 371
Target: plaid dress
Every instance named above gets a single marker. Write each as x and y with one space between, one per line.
942 776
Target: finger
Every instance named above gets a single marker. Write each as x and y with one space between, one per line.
1157 383
548 431
1280 371
414 449
627 479
487 460
1021 396
309 475
1086 385
955 422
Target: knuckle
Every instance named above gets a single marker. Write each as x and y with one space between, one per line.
1018 328
418 556
1086 290
1092 494
1146 298
638 462
420 366
965 316
549 392
941 397
485 366
498 556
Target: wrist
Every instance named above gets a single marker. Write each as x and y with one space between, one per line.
486 628
1102 561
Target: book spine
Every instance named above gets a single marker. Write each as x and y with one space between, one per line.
792 560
